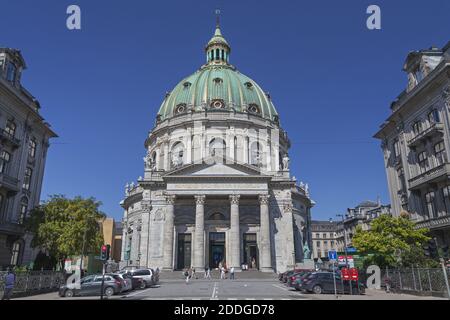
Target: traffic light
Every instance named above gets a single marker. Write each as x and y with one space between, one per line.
104 254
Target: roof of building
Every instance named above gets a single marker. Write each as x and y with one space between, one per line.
218 85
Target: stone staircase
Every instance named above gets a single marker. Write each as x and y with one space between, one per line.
215 275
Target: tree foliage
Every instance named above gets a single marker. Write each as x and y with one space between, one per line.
60 226
392 241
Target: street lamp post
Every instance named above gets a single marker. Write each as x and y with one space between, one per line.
345 248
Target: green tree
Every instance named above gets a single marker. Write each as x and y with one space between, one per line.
60 226
393 242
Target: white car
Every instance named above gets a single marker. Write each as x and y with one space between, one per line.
144 274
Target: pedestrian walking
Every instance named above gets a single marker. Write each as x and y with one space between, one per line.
193 273
232 273
222 273
186 275
10 281
208 273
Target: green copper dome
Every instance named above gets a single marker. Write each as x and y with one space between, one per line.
217 86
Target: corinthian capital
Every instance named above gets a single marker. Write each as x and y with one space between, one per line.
170 199
234 198
263 198
200 199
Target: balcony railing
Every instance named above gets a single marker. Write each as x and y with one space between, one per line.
434 223
435 128
6 136
8 182
432 175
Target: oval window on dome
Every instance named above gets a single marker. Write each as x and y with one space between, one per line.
187 84
217 104
249 85
253 108
180 108
218 80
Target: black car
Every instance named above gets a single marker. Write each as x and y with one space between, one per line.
322 282
91 286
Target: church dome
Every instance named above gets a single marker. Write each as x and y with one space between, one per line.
217 86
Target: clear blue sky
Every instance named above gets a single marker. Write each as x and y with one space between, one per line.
331 79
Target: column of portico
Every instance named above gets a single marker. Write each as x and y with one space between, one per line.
169 233
266 258
199 241
234 257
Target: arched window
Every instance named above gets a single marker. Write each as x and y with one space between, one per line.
217 148
223 55
23 210
256 155
177 155
217 54
216 216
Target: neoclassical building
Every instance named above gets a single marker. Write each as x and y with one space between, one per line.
24 141
415 140
217 186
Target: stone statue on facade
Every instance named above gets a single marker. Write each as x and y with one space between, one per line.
149 162
286 161
306 251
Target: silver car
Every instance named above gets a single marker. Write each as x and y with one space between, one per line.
127 285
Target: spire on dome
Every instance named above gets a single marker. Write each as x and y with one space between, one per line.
218 49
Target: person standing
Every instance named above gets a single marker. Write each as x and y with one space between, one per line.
232 273
222 273
186 275
208 273
10 281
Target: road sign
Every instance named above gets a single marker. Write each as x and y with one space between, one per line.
332 255
354 274
345 274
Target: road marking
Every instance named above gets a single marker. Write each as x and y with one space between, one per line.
215 293
282 288
136 293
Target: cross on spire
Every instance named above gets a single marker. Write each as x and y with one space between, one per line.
217 18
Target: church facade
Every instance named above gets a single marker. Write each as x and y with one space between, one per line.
217 188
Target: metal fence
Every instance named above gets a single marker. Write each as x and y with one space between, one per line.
417 280
34 282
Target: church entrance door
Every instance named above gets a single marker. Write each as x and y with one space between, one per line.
250 250
184 251
216 249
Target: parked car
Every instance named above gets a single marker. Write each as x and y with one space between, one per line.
127 281
91 286
322 282
289 273
292 280
149 276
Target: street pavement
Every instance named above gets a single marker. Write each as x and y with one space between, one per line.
240 289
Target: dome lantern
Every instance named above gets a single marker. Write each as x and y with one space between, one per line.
218 50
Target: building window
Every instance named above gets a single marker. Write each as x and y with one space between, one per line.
417 127
423 161
180 108
23 210
433 116
217 148
32 148
253 108
318 244
396 148
177 155
324 235
317 235
439 152
446 197
27 179
256 154
429 199
10 128
11 72
332 244
5 158
15 253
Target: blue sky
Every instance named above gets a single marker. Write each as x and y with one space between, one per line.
331 79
